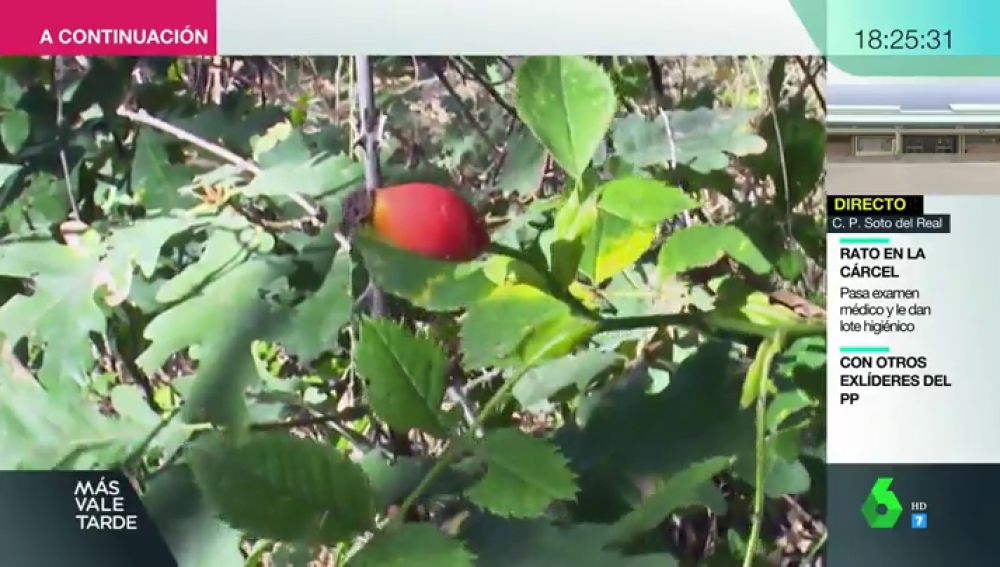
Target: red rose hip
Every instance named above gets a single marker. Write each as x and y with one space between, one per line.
430 220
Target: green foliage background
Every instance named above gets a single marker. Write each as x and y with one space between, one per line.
633 375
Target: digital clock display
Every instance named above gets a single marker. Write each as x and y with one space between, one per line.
903 39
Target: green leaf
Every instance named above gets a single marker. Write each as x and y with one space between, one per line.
42 430
524 165
139 246
629 211
702 139
537 386
413 545
140 243
431 284
702 245
318 494
393 478
803 139
316 176
791 264
280 144
131 406
785 477
233 128
784 405
643 201
10 90
14 130
523 475
554 338
210 316
406 376
7 171
224 249
784 472
223 320
43 202
681 490
613 245
504 270
317 321
695 418
541 544
576 215
568 102
758 375
188 523
574 220
62 311
751 312
495 327
804 357
155 180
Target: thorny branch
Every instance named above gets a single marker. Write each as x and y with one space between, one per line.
370 137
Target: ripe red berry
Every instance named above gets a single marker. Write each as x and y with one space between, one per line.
430 220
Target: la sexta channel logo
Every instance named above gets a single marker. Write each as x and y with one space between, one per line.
882 508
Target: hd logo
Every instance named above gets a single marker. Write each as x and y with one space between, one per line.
882 497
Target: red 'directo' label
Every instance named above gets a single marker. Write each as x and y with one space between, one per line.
110 27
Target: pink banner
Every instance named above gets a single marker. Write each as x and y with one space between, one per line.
110 27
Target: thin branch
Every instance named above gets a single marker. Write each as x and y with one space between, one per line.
369 130
811 80
484 379
760 471
256 556
797 303
468 412
656 78
485 83
670 139
454 447
142 117
348 414
333 421
814 551
58 72
493 171
643 321
137 453
695 320
506 63
707 322
369 122
673 155
439 70
131 370
773 103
